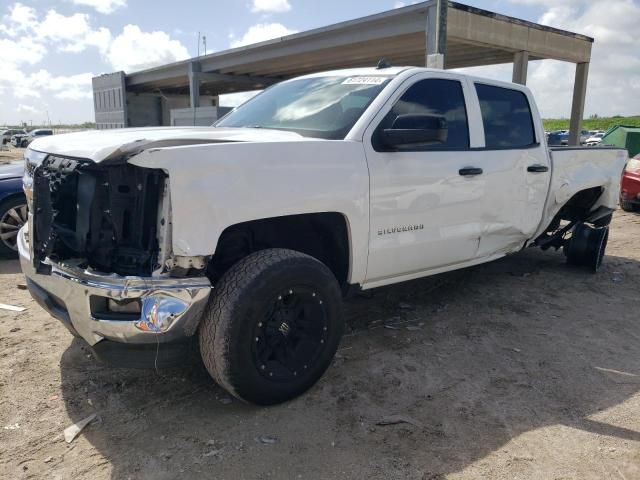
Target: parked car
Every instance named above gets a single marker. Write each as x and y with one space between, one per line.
247 236
5 135
594 140
558 139
16 139
584 135
23 141
13 207
630 187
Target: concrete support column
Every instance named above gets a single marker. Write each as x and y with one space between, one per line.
577 107
436 34
194 84
520 64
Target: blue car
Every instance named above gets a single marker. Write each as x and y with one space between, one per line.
13 207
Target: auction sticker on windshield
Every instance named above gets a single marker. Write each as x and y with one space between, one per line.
364 81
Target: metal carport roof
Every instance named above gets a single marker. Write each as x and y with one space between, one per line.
434 33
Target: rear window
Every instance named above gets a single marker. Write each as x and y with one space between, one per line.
506 116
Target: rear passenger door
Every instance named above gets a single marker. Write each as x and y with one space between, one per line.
516 167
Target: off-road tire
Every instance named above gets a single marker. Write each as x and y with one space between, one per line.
241 299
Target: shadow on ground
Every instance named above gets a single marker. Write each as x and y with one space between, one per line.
491 353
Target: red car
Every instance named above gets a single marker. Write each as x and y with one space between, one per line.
630 187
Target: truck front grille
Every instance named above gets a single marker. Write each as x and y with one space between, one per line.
104 215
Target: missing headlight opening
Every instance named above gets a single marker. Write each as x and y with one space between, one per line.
105 215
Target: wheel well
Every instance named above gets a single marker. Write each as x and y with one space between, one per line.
576 210
11 197
579 206
323 236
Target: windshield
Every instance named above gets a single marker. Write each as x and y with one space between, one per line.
320 107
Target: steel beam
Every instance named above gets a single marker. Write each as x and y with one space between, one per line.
194 84
577 106
436 34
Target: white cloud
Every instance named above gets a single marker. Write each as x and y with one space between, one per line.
71 33
261 32
270 6
102 6
26 37
21 51
135 50
19 19
26 109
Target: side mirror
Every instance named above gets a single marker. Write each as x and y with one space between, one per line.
416 129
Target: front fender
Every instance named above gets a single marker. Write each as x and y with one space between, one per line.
215 186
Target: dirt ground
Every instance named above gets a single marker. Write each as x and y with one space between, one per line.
522 368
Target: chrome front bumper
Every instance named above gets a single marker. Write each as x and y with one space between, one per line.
171 308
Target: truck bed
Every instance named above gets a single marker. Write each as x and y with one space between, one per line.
578 168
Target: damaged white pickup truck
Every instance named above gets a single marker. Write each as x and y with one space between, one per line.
243 237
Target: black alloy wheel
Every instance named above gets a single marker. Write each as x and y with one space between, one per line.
292 335
272 326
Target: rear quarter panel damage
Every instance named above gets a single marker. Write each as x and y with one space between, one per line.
574 170
215 186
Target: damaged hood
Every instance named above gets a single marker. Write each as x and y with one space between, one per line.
101 145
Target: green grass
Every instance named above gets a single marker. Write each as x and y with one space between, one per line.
603 123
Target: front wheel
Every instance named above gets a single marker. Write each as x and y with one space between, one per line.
13 216
272 326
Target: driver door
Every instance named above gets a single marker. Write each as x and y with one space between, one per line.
427 206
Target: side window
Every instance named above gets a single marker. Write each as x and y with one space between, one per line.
440 98
506 116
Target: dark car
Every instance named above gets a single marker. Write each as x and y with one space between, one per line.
558 139
13 207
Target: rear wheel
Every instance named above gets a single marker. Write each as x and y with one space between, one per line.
13 215
272 326
586 246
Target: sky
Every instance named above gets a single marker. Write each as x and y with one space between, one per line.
50 49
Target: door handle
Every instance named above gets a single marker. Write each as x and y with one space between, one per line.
537 168
470 171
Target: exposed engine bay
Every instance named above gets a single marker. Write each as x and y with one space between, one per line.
106 214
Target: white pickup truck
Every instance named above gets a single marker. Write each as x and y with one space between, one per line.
244 237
